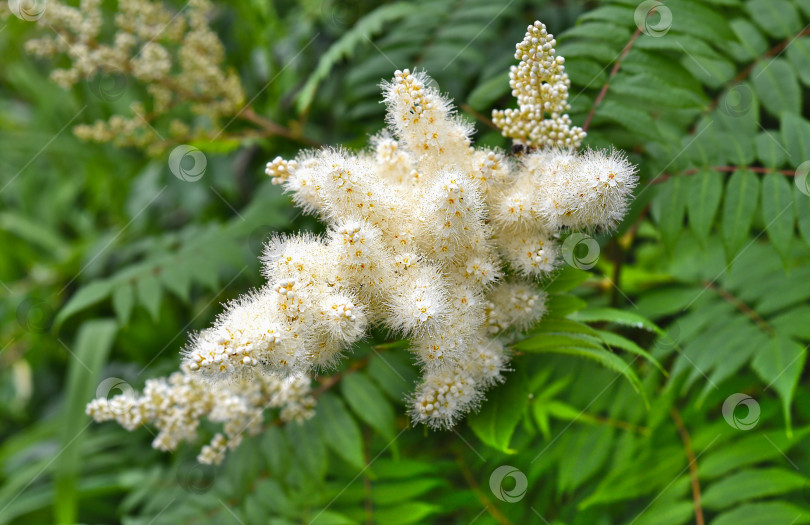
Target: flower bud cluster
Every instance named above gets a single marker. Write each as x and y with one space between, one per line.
175 56
176 405
540 84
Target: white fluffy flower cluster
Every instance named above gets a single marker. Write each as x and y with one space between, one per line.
540 84
429 237
175 406
422 230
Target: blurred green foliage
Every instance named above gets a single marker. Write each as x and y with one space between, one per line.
108 260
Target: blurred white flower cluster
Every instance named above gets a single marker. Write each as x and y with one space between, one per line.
428 237
174 55
175 406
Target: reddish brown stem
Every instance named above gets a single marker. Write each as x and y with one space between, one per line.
693 471
741 306
613 72
774 51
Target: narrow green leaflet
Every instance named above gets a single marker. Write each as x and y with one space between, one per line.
751 484
614 315
780 366
565 279
777 211
495 423
546 342
798 52
739 205
87 296
769 149
617 341
777 86
339 430
705 193
89 354
405 513
601 356
369 403
796 136
360 34
123 299
802 200
768 513
672 208
777 17
150 294
485 95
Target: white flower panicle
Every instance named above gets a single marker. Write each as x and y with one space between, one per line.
422 230
540 84
427 236
176 405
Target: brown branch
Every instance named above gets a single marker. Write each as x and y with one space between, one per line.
693 471
329 382
275 129
479 116
493 511
774 51
613 72
741 306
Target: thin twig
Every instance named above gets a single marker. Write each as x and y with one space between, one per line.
613 72
775 50
693 471
741 306
479 116
493 511
275 129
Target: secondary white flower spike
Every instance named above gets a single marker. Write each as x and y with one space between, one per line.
428 236
540 84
